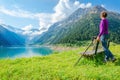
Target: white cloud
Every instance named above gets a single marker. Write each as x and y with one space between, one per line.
88 5
102 5
62 10
65 7
27 28
17 12
44 20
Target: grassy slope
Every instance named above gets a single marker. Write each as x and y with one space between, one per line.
60 67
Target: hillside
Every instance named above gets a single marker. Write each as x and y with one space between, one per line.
9 38
89 27
59 66
80 25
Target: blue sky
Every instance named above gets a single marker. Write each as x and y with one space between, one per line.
42 13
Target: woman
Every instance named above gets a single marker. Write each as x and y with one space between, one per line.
103 36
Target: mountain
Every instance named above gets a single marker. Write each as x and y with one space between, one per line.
81 25
59 28
28 35
9 38
11 28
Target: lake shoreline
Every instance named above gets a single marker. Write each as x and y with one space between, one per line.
61 48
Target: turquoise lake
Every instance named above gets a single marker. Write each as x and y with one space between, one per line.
19 52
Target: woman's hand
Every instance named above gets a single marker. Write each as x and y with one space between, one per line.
98 38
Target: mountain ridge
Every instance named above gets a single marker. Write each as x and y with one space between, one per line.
9 38
61 32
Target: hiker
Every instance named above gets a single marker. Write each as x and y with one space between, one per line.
103 37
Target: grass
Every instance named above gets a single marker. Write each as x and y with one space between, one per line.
59 66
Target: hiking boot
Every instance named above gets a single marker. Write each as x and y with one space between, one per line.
113 60
105 61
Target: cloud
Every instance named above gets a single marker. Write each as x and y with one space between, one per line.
62 10
28 31
102 5
44 20
65 7
17 12
27 28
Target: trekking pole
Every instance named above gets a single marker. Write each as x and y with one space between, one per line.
96 48
84 52
108 43
97 44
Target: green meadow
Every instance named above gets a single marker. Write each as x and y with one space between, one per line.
60 66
